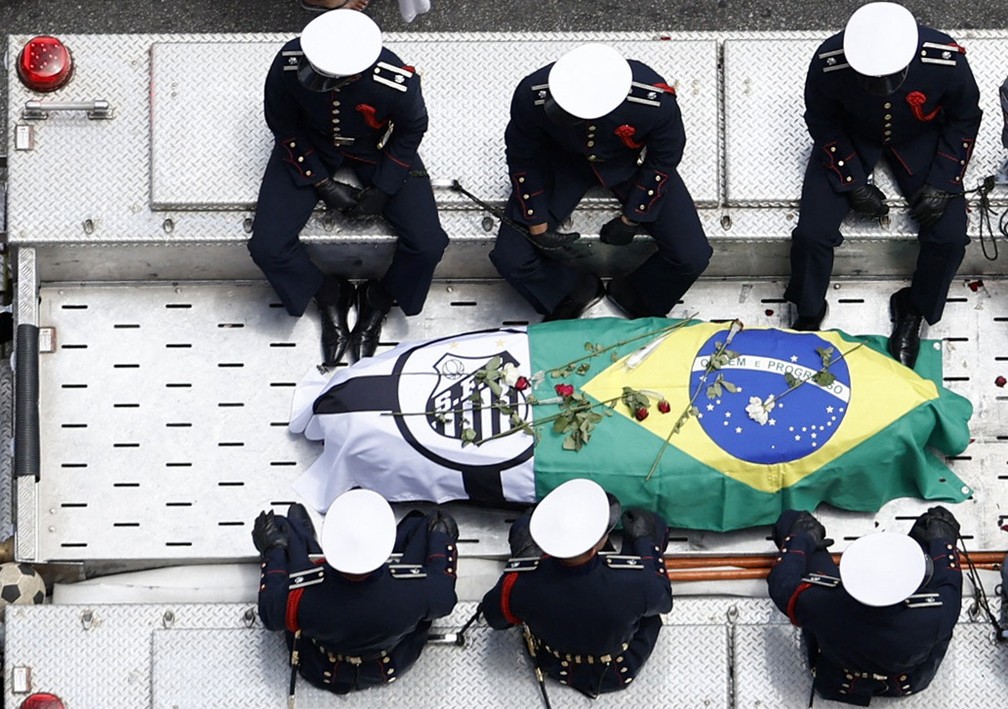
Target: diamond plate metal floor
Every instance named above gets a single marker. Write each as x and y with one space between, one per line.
712 653
164 410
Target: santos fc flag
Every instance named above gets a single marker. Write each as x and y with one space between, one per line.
712 426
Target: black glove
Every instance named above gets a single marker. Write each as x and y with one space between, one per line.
638 523
440 521
928 205
868 200
552 239
520 539
936 523
371 204
338 196
267 534
298 517
794 522
616 232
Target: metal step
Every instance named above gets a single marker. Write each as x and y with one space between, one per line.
712 653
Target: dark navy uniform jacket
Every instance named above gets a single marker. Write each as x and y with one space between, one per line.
929 124
607 608
648 118
313 129
382 619
866 651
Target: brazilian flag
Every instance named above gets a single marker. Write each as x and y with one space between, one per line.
846 424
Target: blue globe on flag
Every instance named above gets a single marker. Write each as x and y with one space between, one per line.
797 422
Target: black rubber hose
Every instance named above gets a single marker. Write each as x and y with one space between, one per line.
26 402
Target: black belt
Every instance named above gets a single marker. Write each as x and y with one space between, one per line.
582 659
352 659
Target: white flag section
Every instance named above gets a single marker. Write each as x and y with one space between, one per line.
383 424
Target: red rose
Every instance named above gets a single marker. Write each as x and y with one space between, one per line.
664 406
1000 381
521 384
564 389
641 413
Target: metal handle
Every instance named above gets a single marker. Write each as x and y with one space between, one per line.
27 459
99 109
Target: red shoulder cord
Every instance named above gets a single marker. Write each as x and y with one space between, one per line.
793 601
509 582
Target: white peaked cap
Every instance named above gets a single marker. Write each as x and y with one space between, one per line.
590 81
358 532
880 39
882 569
571 519
341 42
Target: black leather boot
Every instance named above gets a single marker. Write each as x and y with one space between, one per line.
811 323
625 297
904 343
373 304
587 291
333 300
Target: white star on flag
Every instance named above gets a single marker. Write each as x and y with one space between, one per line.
738 429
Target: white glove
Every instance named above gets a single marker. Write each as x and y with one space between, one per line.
409 9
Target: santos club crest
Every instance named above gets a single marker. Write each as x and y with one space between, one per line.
439 390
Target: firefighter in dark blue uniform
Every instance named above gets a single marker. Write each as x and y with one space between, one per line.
353 619
593 118
886 88
336 99
591 621
881 623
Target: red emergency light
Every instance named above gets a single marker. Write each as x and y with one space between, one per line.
43 700
44 64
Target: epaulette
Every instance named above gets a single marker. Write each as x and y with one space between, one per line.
291 59
923 600
648 94
943 54
393 76
817 579
621 561
407 571
530 563
833 61
540 92
308 577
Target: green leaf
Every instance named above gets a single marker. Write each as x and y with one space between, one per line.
729 386
694 411
495 388
569 444
589 347
599 347
583 368
468 436
826 353
555 373
714 390
614 357
823 378
791 380
476 397
594 417
731 354
494 363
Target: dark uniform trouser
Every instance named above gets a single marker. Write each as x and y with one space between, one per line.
345 676
831 679
283 208
942 246
683 251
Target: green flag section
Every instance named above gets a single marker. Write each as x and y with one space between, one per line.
768 419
